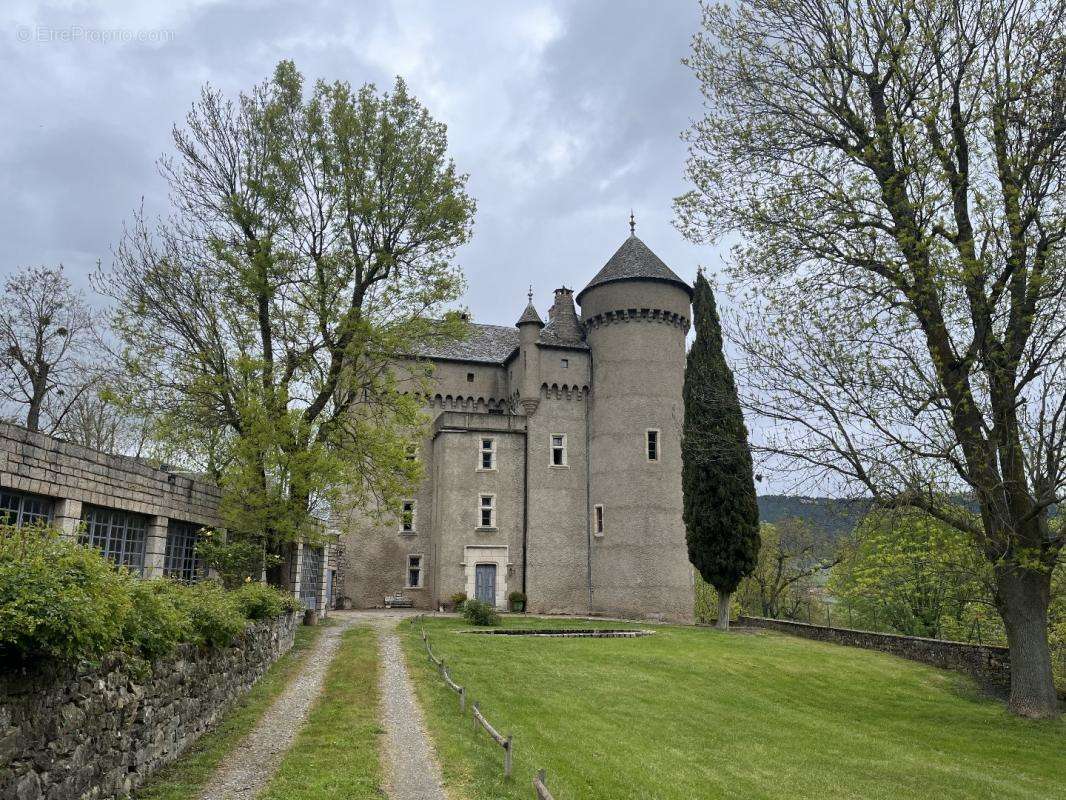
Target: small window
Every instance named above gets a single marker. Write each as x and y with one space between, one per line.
414 572
470 377
487 511
558 450
408 513
564 363
487 457
653 445
597 520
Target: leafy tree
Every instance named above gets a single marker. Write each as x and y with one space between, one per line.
910 573
896 171
310 243
720 511
46 341
792 553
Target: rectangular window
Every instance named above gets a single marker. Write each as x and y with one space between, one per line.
179 559
597 520
24 509
558 450
488 454
414 572
564 363
486 511
653 445
408 514
311 576
470 377
118 535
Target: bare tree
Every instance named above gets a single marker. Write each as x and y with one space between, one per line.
46 338
897 171
93 420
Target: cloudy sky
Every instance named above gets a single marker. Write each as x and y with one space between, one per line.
565 115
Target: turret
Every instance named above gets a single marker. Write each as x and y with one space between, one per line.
636 313
529 326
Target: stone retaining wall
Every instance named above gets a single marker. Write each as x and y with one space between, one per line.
989 664
99 731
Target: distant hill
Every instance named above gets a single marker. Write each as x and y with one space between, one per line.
836 518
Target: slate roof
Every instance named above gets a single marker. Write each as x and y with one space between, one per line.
530 315
488 344
554 335
634 260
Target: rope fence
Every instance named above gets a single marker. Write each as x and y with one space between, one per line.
479 719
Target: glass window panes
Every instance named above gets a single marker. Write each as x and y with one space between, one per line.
179 560
407 516
414 572
118 535
20 509
488 453
310 576
487 511
653 445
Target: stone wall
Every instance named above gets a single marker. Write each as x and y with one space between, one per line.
96 732
44 465
989 664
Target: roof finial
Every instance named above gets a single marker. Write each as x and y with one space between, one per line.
530 295
632 224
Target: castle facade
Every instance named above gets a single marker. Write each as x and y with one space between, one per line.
553 462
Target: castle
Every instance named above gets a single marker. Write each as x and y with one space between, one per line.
553 462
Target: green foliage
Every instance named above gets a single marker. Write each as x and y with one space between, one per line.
909 573
311 243
720 511
60 600
57 600
458 599
478 612
214 613
259 601
158 619
236 557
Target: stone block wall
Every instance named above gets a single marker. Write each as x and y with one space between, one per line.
100 731
989 664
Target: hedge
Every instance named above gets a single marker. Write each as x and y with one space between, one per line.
62 601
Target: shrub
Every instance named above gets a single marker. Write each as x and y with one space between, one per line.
216 617
57 599
458 599
516 597
159 618
478 612
259 601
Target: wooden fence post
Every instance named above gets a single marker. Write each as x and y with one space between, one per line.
462 700
507 759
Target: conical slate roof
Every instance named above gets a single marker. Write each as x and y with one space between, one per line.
564 329
634 260
529 315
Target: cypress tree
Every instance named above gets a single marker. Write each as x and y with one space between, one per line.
720 511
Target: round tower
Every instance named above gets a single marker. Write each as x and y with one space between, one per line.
637 313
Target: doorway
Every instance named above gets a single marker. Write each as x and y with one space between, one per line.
485 583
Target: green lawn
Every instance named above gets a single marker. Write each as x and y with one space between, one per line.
337 753
695 713
186 777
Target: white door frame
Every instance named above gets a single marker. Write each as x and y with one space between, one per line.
474 554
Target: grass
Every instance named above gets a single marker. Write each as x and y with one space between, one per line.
186 777
693 712
337 753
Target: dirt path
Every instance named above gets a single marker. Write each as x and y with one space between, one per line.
411 766
256 758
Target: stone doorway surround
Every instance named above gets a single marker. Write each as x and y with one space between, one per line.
474 554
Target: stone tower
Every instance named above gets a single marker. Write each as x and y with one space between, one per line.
636 314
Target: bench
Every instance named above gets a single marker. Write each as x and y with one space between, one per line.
398 601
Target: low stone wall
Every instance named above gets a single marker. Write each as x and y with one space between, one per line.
99 731
989 664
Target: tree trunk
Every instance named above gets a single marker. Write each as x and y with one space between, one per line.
1023 596
723 610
